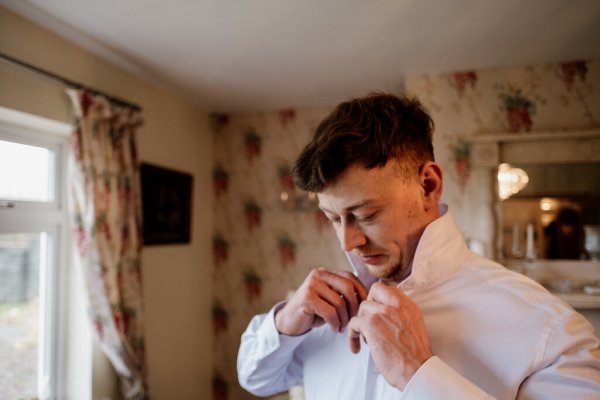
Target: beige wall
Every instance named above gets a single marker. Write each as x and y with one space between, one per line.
177 279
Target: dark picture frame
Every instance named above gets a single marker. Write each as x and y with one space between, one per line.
166 204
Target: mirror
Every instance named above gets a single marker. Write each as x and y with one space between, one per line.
556 214
562 203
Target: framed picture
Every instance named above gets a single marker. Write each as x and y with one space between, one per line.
166 204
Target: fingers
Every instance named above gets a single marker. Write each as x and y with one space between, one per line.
395 329
380 302
340 293
390 295
347 299
360 291
334 309
354 334
342 280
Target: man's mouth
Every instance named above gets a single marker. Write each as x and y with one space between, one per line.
373 259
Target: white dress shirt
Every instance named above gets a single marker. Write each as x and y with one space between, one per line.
494 333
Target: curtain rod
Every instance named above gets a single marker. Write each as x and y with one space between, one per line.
47 74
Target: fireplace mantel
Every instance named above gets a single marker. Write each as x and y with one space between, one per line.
553 147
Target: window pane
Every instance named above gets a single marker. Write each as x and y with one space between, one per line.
22 257
25 172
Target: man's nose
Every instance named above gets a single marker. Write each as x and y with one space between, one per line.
351 236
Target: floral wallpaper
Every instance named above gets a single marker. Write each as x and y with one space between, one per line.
264 247
516 100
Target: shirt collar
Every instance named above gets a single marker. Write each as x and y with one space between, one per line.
439 253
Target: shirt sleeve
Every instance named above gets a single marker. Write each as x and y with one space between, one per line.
568 368
267 361
437 380
570 363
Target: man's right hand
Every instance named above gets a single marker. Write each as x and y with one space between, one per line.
325 296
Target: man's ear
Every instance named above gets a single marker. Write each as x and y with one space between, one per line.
431 180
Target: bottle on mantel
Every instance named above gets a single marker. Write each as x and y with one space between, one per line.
530 253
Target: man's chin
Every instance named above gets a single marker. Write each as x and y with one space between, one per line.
381 271
386 272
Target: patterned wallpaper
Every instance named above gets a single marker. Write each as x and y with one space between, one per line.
515 100
262 249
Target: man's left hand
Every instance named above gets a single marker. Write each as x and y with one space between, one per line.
393 327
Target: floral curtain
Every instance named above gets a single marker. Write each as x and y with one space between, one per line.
104 204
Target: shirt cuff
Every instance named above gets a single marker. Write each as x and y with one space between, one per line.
272 339
437 380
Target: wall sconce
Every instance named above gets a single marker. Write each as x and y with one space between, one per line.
510 180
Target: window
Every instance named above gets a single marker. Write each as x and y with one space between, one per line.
32 253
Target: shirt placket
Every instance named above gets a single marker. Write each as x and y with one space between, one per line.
370 379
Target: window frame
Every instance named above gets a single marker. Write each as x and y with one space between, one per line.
50 217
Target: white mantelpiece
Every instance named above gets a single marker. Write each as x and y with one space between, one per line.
560 147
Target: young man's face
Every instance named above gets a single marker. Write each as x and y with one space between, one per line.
380 216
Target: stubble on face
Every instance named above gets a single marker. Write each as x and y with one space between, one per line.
393 243
398 266
388 273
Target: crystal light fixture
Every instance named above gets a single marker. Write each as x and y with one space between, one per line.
510 180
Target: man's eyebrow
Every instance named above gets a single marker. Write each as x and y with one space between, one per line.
351 208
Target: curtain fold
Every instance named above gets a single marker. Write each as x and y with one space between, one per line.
105 210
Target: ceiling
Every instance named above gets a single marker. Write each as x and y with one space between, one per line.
236 55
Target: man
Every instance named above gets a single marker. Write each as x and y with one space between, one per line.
440 322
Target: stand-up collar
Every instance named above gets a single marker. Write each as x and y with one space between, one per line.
440 251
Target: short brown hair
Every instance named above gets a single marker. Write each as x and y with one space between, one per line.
368 131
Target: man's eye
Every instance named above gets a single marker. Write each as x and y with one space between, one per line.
365 218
